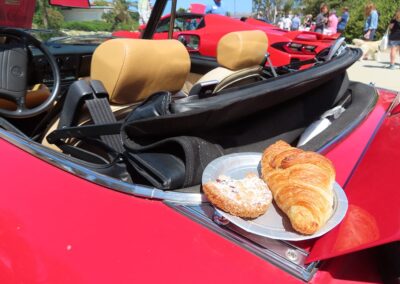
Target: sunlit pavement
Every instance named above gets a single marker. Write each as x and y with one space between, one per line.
376 72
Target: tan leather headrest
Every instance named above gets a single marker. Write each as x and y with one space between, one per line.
133 69
240 50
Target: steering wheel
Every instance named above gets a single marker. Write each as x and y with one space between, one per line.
15 87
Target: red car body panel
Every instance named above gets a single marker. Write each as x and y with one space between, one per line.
71 3
216 26
59 228
69 230
197 8
17 13
365 224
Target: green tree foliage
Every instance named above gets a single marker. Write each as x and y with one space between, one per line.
265 7
100 3
87 26
354 29
121 17
287 7
55 18
46 16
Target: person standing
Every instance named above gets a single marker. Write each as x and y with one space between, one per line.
371 23
295 23
322 19
343 20
394 39
280 22
332 21
287 22
144 10
215 8
307 22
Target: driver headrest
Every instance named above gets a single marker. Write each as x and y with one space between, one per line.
133 69
239 50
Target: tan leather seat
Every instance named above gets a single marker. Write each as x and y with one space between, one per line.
239 54
133 69
34 97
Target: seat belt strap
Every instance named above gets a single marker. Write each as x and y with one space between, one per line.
84 131
101 114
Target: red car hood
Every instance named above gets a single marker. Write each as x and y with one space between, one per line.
372 189
71 3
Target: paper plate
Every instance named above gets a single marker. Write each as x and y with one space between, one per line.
273 224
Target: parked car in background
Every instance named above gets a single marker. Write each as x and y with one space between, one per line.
201 33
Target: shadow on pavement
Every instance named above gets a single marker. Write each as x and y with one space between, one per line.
376 66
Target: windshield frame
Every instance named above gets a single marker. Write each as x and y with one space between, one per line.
155 17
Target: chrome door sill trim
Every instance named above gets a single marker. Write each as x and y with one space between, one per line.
55 158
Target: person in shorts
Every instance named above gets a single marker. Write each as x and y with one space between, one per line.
394 38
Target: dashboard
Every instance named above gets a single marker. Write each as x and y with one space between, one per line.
73 61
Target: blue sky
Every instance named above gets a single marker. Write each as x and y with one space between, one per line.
241 6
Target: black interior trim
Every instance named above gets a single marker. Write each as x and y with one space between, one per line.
202 64
364 99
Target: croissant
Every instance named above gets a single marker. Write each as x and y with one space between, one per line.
301 183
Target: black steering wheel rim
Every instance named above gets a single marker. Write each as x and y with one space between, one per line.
26 38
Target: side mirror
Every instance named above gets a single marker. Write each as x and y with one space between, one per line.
192 42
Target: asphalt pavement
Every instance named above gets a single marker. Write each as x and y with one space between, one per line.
376 72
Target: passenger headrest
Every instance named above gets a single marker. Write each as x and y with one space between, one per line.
240 50
133 69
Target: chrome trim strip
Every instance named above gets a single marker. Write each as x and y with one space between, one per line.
56 159
282 254
395 102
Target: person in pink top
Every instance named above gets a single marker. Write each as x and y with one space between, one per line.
332 21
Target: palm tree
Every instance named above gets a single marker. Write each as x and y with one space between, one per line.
42 6
121 12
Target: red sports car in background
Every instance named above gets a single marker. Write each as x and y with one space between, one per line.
201 34
99 180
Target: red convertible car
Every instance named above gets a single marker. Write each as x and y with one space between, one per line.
102 154
201 33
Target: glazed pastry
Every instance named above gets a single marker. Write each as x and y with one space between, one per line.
301 183
246 198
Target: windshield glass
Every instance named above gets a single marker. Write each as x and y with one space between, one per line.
105 17
226 8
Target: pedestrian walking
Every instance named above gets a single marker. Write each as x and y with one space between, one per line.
371 23
394 38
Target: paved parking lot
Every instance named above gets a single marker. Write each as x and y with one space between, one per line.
375 71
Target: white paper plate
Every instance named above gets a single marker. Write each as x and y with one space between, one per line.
273 224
